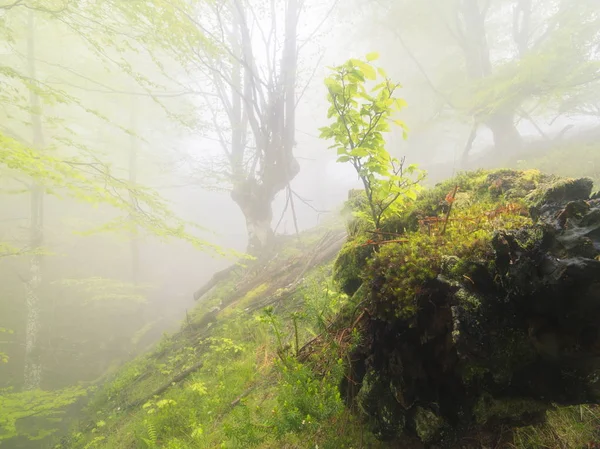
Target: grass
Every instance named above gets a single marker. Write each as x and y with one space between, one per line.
249 390
567 428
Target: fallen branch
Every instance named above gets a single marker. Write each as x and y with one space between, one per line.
160 390
217 277
384 233
242 396
381 242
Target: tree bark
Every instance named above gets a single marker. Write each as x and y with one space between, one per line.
33 366
507 138
471 19
522 25
255 201
133 159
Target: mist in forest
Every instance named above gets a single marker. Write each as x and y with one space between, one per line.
145 146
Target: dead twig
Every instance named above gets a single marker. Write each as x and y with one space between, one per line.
451 201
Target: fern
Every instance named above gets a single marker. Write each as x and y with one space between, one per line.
151 433
94 442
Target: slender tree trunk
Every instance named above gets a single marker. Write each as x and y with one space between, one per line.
522 25
33 366
469 145
133 159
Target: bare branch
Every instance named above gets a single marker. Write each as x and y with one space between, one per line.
312 75
11 5
320 25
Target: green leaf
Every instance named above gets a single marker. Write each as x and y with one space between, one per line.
400 103
372 56
369 72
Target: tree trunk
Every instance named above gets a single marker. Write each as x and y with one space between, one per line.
33 366
472 16
522 25
133 151
475 45
507 138
255 202
271 118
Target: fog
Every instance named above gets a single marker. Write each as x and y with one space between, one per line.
139 140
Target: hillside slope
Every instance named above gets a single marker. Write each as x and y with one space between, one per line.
229 378
308 348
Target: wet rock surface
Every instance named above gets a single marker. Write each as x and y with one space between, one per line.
499 341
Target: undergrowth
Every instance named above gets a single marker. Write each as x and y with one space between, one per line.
251 390
252 382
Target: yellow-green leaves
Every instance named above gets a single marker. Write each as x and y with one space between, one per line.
361 116
44 405
372 56
367 70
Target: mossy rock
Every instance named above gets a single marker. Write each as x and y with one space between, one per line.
562 190
376 401
428 425
350 264
492 316
352 258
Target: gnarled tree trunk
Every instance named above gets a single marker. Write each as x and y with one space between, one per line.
261 111
255 202
507 138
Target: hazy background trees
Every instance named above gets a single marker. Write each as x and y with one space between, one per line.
510 77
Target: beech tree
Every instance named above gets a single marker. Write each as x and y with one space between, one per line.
495 63
251 68
241 58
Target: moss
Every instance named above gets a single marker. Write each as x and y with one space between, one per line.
350 263
495 184
428 425
255 292
376 401
472 372
400 270
562 190
512 350
510 410
467 299
486 200
568 159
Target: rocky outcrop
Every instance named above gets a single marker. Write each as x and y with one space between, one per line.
492 323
